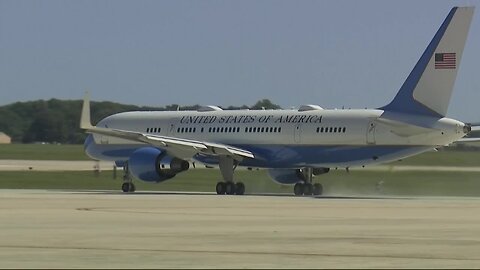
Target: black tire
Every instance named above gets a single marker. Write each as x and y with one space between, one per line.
317 189
239 188
125 187
131 188
220 188
298 189
230 188
308 189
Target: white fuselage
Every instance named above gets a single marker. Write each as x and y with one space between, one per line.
289 129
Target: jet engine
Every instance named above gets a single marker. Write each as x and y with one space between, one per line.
293 176
152 165
286 176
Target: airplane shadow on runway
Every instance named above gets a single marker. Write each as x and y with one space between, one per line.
169 193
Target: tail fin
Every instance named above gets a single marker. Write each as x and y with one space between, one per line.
428 88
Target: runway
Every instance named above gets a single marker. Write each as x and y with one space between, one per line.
104 229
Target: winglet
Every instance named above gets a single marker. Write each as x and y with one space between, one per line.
85 122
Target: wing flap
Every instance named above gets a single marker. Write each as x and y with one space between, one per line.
178 147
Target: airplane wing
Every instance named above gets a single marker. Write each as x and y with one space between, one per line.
177 147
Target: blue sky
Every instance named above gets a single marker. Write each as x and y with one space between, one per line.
354 54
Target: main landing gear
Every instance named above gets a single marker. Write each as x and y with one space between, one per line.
127 185
228 186
307 188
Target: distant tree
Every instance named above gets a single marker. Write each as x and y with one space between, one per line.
265 104
58 120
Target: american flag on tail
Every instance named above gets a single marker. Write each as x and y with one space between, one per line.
445 60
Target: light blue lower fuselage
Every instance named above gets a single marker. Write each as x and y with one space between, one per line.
282 156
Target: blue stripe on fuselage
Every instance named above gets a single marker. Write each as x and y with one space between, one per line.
282 156
294 156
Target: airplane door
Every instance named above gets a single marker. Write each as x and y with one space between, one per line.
171 129
297 136
371 132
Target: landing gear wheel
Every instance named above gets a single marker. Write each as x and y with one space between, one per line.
317 189
230 188
131 187
239 188
221 188
128 187
298 189
308 189
125 187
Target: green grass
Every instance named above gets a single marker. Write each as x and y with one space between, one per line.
76 152
42 152
443 158
335 183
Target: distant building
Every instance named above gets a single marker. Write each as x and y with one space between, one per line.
4 138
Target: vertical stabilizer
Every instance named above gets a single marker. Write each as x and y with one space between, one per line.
428 88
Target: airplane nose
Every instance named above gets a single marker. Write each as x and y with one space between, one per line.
467 128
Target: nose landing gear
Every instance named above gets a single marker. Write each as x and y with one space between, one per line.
127 185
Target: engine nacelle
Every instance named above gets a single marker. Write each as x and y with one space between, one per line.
318 171
152 165
293 176
286 176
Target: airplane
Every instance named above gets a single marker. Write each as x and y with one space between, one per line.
293 145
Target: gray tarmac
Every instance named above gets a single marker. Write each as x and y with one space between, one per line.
105 229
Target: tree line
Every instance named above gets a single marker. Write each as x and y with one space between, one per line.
57 121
